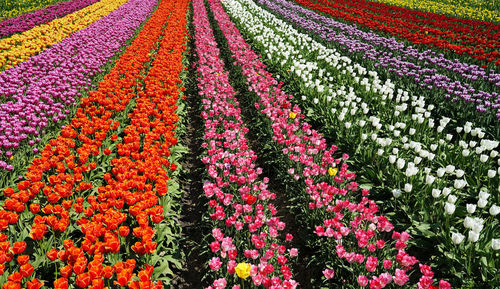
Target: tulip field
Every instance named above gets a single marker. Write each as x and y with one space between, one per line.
249 144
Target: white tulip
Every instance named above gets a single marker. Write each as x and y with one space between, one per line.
380 152
483 195
494 210
459 173
482 203
452 199
471 208
429 179
468 222
459 129
362 123
392 159
417 160
449 208
479 150
396 193
440 172
491 174
436 193
347 125
411 170
364 136
449 137
493 154
412 131
495 244
395 151
473 236
400 164
472 143
483 158
478 225
459 184
450 169
457 238
446 191
465 152
433 147
408 188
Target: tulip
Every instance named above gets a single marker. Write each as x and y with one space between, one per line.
495 244
457 238
328 273
449 208
494 210
471 208
473 236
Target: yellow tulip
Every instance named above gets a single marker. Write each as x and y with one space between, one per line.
292 115
243 270
332 171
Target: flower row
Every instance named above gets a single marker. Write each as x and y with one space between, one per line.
20 47
41 91
409 144
484 48
119 210
471 9
432 72
353 229
14 8
27 21
246 231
